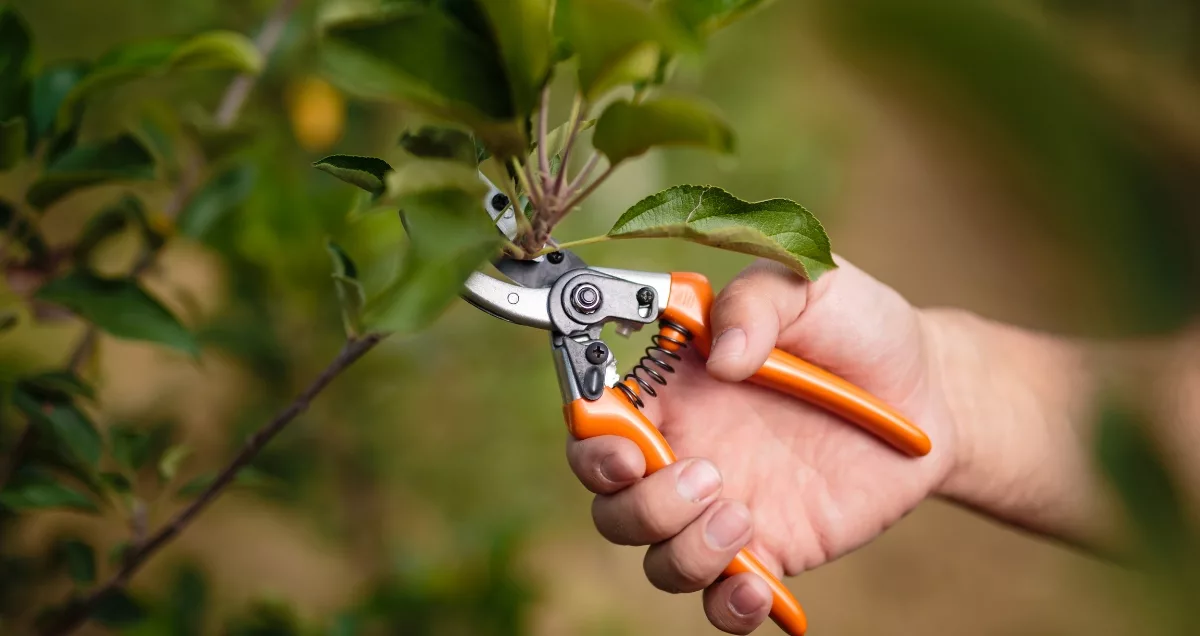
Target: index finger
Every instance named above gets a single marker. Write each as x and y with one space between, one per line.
605 464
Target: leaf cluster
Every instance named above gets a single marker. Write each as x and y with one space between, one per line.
483 69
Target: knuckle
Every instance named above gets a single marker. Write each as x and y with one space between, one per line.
739 293
649 517
685 567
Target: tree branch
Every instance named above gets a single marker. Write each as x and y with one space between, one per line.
78 613
266 41
227 113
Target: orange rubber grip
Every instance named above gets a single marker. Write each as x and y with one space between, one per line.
613 414
689 305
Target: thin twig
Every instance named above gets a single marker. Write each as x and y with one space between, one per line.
228 110
576 118
572 244
83 350
79 612
230 106
266 41
24 443
543 117
587 191
523 226
584 172
524 177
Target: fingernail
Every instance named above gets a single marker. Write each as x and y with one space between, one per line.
730 344
745 600
726 526
616 470
698 481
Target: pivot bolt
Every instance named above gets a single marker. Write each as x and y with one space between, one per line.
645 296
586 298
555 257
499 201
597 353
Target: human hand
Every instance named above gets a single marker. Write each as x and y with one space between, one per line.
759 469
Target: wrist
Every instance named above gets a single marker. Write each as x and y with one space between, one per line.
1018 404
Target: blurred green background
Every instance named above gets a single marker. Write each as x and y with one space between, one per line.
1036 162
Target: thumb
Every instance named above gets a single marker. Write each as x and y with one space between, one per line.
748 315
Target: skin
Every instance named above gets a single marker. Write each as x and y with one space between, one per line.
800 487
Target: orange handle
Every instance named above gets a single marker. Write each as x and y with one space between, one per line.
689 305
612 414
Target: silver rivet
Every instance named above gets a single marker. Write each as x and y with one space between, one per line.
513 298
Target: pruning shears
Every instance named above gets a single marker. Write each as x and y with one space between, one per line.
559 293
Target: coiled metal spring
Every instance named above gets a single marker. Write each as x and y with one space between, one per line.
669 341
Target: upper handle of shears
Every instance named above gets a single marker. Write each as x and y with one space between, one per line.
612 414
689 305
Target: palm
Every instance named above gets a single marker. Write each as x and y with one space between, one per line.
817 486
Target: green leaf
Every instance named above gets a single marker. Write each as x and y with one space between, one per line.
118 609
425 59
703 17
207 51
57 385
368 173
556 140
627 130
50 90
248 477
217 141
120 159
431 175
119 551
151 130
777 229
218 50
116 482
171 460
111 221
130 447
64 422
13 136
450 236
617 42
16 46
189 601
25 233
439 142
43 495
523 31
221 195
120 307
351 296
80 560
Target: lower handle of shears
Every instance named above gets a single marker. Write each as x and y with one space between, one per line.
612 414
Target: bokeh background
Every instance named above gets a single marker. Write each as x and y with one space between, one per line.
1035 162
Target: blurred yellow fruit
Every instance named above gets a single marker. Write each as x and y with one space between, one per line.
318 113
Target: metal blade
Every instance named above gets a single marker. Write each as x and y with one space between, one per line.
539 272
542 272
